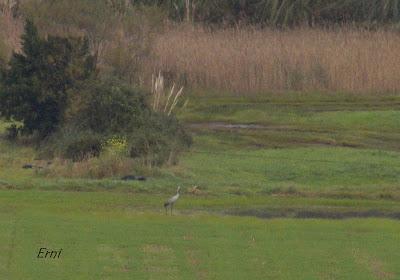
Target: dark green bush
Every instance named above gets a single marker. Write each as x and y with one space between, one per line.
83 146
12 132
107 107
101 110
70 142
36 81
160 141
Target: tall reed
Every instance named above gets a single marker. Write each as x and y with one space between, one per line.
162 100
249 60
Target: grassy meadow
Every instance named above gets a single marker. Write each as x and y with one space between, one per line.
301 186
310 145
109 236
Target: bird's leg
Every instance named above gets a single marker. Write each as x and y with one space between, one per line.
166 210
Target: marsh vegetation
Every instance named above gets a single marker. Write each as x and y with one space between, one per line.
279 119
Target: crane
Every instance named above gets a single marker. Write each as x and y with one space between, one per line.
170 202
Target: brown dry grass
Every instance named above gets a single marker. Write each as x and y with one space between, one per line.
93 168
248 60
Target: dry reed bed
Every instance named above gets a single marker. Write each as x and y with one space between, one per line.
248 60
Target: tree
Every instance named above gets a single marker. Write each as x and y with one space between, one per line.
36 82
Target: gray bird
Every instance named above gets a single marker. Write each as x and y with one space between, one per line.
170 202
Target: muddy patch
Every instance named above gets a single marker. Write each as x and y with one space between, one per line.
252 126
223 125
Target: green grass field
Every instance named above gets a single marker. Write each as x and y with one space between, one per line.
107 236
326 169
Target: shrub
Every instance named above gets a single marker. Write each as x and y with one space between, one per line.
107 107
83 147
70 142
109 117
12 132
115 146
162 140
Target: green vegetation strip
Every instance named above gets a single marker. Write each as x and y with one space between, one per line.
250 205
106 235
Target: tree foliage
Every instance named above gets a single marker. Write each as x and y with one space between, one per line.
36 81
